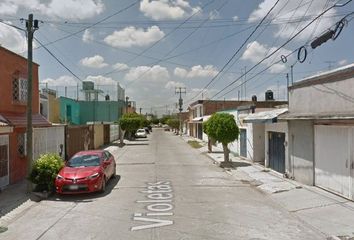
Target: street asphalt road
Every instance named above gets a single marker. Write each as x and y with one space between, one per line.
165 190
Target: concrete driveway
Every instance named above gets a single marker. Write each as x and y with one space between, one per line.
165 190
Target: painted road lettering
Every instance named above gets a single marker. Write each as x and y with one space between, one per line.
158 204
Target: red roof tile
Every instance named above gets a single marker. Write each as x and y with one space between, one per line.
20 120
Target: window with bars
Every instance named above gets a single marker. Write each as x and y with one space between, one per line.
19 90
21 144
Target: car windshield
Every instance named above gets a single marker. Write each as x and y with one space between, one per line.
84 161
141 130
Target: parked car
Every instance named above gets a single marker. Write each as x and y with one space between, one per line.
141 133
86 171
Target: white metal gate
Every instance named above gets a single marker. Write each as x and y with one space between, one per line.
4 160
334 159
48 140
114 132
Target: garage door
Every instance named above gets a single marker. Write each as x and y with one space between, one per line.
333 159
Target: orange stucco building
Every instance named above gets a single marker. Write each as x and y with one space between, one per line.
13 120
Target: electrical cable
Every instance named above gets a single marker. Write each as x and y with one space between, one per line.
164 37
238 50
92 25
174 48
275 51
58 60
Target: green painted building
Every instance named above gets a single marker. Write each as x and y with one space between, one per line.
81 112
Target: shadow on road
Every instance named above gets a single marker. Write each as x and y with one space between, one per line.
13 197
234 165
87 197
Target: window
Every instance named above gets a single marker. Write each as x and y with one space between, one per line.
19 90
21 144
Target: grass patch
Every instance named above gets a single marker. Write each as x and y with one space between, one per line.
194 144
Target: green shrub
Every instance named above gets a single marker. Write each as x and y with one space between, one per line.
45 170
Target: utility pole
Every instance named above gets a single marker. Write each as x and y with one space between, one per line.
292 74
31 26
287 87
179 91
140 110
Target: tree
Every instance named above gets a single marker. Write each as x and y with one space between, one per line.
173 123
131 122
210 140
164 119
222 127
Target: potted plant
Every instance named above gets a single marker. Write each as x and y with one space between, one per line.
44 171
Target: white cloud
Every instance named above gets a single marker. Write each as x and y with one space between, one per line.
71 81
68 9
196 71
96 61
291 9
342 62
131 36
214 14
101 80
235 18
146 74
171 85
121 66
61 81
8 8
255 52
180 72
167 9
87 36
12 39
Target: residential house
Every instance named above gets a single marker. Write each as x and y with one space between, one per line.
53 111
13 92
321 131
202 109
91 109
266 138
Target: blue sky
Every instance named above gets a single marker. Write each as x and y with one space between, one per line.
155 46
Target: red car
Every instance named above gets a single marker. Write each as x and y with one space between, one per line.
86 171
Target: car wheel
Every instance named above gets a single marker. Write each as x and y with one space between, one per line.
103 188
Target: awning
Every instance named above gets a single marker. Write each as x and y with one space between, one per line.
197 119
265 117
20 120
3 121
317 116
200 119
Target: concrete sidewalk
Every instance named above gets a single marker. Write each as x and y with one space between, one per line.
326 212
14 200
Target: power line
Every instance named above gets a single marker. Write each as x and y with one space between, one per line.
94 24
11 25
257 64
58 60
164 37
179 44
238 50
